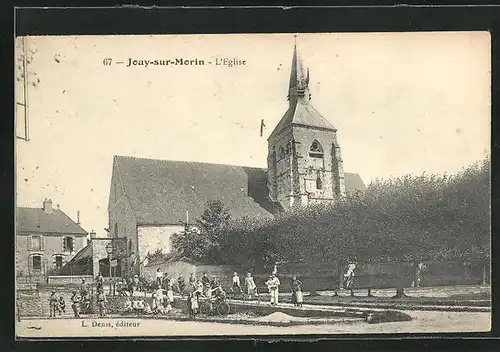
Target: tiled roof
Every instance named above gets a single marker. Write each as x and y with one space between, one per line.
353 182
160 191
303 114
36 220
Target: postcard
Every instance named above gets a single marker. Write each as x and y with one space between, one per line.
252 184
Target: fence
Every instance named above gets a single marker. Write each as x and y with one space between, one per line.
329 276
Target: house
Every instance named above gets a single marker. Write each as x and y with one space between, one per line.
95 258
46 239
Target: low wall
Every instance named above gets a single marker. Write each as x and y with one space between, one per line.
30 305
73 279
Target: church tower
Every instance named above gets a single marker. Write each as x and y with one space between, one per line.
304 160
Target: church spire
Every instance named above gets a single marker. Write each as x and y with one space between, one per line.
299 78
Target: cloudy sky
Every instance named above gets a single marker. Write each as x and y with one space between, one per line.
402 103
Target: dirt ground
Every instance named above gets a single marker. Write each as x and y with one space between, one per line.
423 322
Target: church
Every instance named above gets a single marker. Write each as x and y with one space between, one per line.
151 200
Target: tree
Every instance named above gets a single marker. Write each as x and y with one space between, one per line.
156 256
212 222
191 244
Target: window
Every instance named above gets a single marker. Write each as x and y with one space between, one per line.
319 184
37 262
130 245
288 148
282 152
36 243
116 230
68 244
316 150
58 261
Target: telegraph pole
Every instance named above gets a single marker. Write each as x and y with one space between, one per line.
25 87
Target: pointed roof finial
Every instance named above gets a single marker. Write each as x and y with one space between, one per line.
299 76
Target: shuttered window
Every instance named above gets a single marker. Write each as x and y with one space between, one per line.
58 261
36 243
37 262
68 244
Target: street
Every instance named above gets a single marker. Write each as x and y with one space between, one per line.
423 322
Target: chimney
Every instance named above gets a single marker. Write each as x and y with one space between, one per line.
92 234
78 217
47 206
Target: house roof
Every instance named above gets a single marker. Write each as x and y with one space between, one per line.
36 220
353 182
303 114
160 191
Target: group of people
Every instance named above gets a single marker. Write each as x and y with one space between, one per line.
56 305
80 299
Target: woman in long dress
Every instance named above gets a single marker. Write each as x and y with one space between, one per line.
250 285
296 287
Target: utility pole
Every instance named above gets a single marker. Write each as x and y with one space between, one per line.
24 104
186 224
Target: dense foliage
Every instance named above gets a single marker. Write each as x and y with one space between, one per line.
409 218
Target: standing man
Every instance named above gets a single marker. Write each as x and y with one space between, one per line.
136 282
101 301
192 281
349 277
181 284
75 304
53 303
205 280
419 268
99 281
250 285
273 285
83 290
159 277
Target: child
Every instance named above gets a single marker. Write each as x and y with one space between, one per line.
168 308
53 303
170 290
194 303
62 305
299 297
128 306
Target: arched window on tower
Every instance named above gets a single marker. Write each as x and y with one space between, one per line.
282 152
316 150
319 183
288 148
116 230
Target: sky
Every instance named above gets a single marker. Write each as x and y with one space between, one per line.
403 103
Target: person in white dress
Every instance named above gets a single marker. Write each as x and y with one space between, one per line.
236 283
273 285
